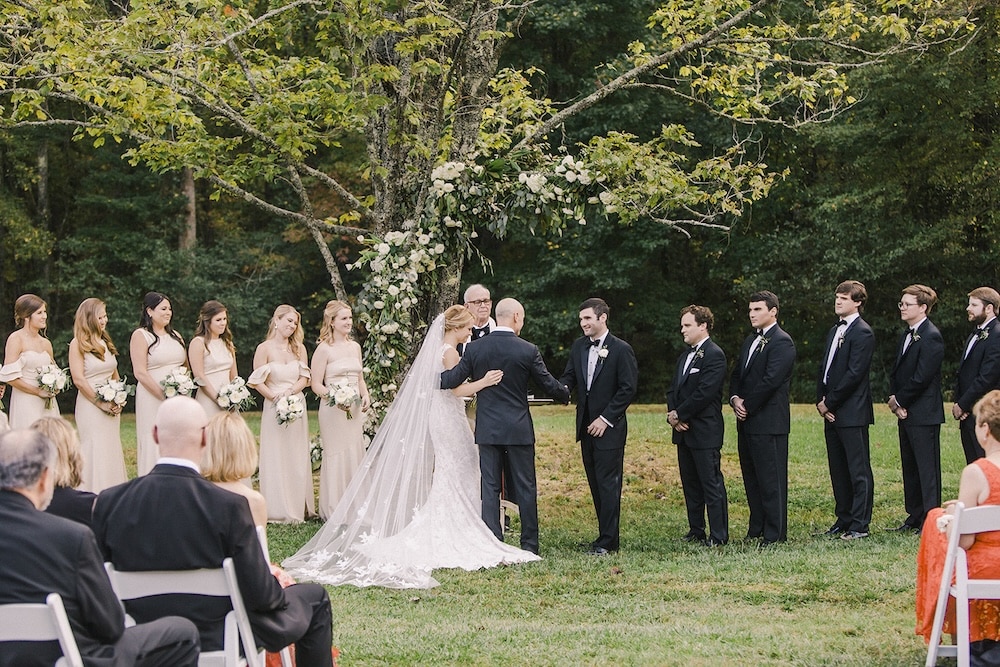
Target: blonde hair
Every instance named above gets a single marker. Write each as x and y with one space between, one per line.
26 306
987 411
230 449
457 317
295 340
68 467
329 313
88 333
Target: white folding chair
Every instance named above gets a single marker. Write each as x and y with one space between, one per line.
37 622
967 521
285 654
219 582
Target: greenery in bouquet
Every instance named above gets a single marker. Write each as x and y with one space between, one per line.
177 383
343 395
54 380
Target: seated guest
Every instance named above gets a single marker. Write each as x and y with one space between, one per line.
230 457
174 519
42 554
67 501
979 485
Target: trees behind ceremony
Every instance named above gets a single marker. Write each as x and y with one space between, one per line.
399 123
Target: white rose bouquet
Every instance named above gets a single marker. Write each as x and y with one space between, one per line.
289 408
177 383
344 396
54 380
115 392
235 396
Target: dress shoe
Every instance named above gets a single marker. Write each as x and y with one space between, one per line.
712 543
693 537
599 551
768 543
854 535
832 531
905 528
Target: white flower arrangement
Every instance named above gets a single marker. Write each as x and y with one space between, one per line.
54 380
115 392
235 396
603 353
178 382
343 395
289 408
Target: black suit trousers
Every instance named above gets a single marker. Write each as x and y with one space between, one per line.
604 469
764 463
166 642
920 454
307 622
522 478
704 491
967 429
851 475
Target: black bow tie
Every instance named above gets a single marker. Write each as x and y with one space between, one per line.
760 332
842 323
595 343
912 332
693 349
479 332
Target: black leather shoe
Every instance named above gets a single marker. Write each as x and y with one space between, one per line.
832 531
712 543
854 535
905 528
598 551
693 537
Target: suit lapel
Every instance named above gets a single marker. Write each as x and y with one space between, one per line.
600 362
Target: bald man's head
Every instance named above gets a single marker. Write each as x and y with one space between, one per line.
510 313
179 429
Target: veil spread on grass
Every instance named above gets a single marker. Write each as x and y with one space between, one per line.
389 487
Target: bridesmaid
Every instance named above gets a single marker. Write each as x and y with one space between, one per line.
212 355
338 358
156 349
26 351
93 361
280 369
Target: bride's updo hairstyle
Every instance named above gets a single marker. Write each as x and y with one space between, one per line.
457 317
329 313
26 306
295 340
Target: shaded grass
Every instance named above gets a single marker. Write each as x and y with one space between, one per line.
660 601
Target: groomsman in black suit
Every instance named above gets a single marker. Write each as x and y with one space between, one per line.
759 396
603 370
844 399
694 405
915 398
41 554
979 371
175 519
503 422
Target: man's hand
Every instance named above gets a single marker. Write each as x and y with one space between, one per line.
597 428
739 407
958 413
825 411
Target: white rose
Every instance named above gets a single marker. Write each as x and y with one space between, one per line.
48 379
121 397
169 391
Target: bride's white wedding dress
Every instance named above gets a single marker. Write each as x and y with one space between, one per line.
414 505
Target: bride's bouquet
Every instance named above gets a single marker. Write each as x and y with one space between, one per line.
115 392
343 395
235 396
289 408
177 383
52 379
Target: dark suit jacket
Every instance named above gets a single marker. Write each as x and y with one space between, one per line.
848 392
173 519
611 390
915 380
41 554
502 416
980 371
764 384
697 397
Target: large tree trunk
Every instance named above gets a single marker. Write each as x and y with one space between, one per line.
189 235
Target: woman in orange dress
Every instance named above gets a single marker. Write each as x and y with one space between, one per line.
979 485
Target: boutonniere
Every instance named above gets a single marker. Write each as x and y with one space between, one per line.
914 337
700 354
840 341
983 334
761 343
603 353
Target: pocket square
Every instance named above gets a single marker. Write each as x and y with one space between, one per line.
692 371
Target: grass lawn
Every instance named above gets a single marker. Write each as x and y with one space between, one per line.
660 601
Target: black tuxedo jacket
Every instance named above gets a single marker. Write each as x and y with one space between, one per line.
502 416
697 397
915 380
980 371
611 391
173 519
40 554
848 391
764 384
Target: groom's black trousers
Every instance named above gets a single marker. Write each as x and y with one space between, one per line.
522 478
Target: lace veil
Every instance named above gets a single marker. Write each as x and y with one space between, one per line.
391 484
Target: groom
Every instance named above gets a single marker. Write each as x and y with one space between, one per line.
503 423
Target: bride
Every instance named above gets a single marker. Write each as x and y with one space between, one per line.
414 504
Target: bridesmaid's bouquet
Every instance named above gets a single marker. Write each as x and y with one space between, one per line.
235 396
344 396
52 379
115 392
177 383
289 408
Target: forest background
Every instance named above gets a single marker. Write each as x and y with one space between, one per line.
903 187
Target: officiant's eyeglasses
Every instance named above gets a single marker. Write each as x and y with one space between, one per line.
478 302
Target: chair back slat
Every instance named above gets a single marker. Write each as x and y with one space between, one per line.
981 519
38 622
